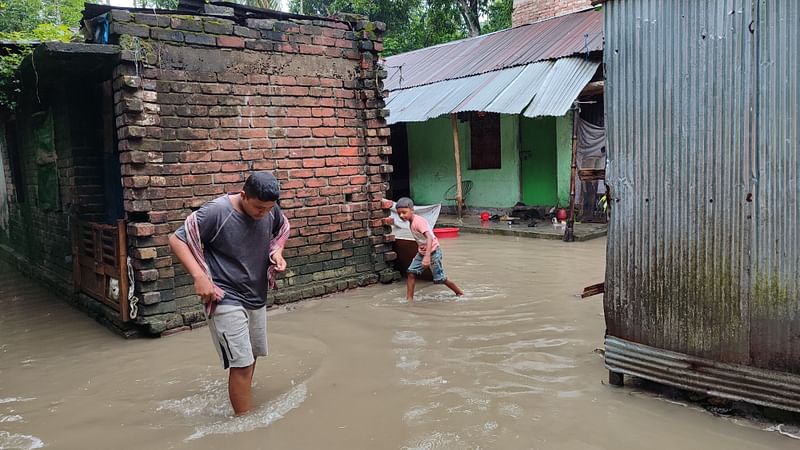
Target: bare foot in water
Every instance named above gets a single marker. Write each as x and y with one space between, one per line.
453 287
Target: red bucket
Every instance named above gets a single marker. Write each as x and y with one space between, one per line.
445 232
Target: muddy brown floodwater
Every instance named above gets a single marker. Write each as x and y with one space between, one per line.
511 365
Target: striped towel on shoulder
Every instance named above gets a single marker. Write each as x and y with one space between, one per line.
196 246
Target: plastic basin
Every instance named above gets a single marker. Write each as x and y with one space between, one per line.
445 232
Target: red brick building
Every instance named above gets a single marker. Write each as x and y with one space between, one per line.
527 11
162 111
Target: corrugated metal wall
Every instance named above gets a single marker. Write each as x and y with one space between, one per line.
702 117
775 307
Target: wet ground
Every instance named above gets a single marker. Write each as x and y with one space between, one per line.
511 365
541 229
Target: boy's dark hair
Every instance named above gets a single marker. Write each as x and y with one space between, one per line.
404 202
263 186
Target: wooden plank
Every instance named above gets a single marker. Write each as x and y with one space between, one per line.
76 260
122 242
594 289
592 174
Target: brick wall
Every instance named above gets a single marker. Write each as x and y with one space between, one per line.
8 189
38 230
202 101
526 11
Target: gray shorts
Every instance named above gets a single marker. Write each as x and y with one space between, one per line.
239 334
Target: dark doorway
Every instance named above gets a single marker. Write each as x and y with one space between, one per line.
399 183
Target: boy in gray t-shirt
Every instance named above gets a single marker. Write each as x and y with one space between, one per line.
235 231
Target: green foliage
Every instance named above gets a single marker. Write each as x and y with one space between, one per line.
415 24
266 4
498 16
173 4
19 15
26 15
12 57
158 4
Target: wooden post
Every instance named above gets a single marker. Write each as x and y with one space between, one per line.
74 228
122 252
569 232
459 197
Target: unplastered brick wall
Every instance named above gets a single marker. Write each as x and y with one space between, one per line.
53 129
527 11
202 101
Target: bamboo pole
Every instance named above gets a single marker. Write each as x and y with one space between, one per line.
457 154
569 232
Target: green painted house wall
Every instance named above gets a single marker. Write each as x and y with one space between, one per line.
535 162
432 164
564 157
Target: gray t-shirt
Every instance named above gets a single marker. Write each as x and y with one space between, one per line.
235 247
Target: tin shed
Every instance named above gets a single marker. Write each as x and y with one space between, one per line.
703 251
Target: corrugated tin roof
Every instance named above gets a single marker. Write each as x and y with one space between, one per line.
561 87
545 88
551 39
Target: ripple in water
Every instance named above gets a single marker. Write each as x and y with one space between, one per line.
424 382
415 415
471 293
15 399
259 418
19 441
408 338
12 418
212 400
540 343
435 441
510 410
409 365
427 293
512 390
491 337
786 430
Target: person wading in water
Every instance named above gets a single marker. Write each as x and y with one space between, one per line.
232 246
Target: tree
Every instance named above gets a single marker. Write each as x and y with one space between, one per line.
410 24
266 4
157 4
470 12
12 57
414 24
498 16
173 4
25 15
18 15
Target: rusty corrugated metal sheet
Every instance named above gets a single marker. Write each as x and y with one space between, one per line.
550 39
734 381
549 87
701 114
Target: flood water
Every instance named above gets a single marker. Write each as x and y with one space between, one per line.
511 365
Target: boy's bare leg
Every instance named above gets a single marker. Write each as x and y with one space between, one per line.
457 290
410 281
240 381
